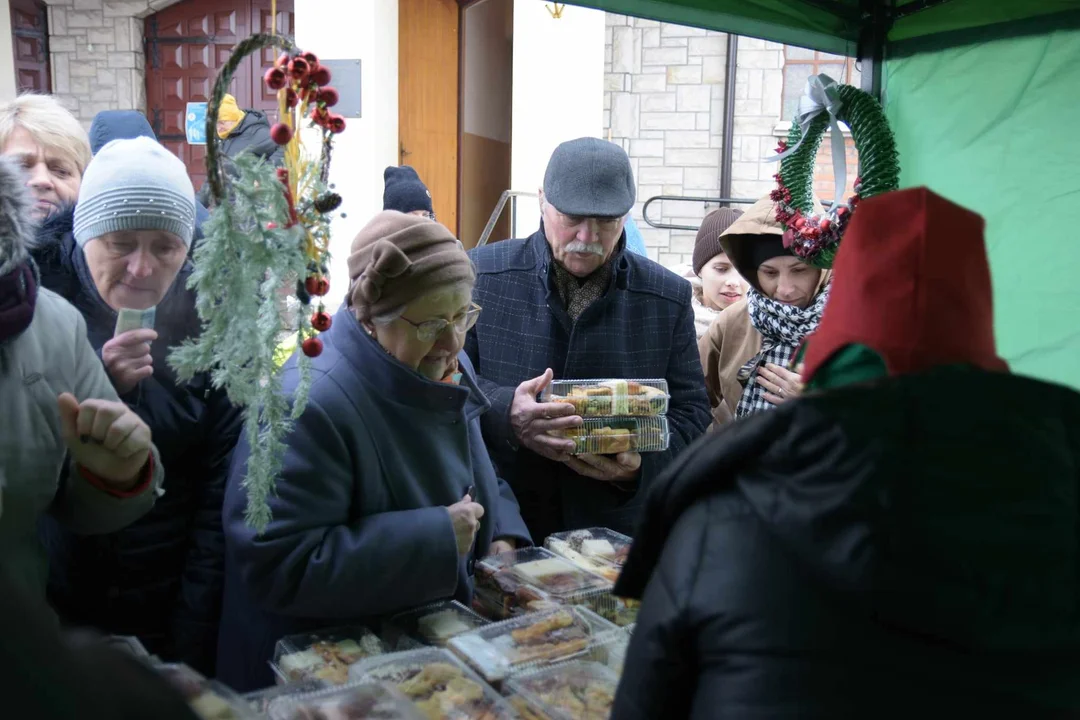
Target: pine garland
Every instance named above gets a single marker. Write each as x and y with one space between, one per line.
269 229
813 238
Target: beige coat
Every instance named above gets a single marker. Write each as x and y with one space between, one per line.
52 356
728 345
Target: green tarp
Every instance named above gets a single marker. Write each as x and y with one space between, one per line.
992 127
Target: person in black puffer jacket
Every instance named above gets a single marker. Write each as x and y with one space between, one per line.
899 542
161 578
242 131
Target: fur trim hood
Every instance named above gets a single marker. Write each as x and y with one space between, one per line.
16 223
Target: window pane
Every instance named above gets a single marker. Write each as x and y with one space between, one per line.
835 71
797 53
795 77
828 57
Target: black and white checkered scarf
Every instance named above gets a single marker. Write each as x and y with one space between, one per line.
782 329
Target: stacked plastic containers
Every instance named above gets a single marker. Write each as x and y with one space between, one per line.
618 415
530 580
603 552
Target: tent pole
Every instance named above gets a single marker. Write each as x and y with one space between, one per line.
877 16
729 115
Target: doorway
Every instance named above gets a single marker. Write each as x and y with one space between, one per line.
30 43
487 61
186 46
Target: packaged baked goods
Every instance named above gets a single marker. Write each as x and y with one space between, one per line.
365 701
498 650
610 398
495 604
210 700
129 644
570 691
613 435
438 684
536 574
325 655
599 550
431 625
616 610
260 700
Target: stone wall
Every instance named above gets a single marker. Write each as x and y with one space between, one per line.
663 102
96 53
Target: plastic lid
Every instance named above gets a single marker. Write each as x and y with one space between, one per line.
598 550
368 701
433 624
325 655
541 569
438 684
611 397
504 648
569 691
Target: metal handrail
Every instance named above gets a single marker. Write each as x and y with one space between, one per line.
512 196
686 198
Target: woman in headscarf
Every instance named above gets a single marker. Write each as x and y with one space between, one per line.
748 349
387 494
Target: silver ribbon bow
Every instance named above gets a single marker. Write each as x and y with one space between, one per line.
822 95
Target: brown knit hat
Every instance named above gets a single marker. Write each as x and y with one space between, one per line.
707 244
397 258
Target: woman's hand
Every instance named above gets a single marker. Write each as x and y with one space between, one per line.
465 516
780 383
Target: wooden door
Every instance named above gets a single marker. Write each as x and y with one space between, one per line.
428 99
30 42
187 44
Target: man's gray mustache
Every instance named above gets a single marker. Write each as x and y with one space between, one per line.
582 247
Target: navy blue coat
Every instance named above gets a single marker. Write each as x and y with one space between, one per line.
642 327
160 578
360 528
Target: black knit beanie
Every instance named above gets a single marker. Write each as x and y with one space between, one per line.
404 191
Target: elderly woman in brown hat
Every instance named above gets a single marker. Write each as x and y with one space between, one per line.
387 493
748 349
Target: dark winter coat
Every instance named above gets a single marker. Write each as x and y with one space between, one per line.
161 578
109 125
251 135
360 528
642 327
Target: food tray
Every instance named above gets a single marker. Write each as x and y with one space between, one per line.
127 643
620 611
209 699
522 572
494 605
431 625
570 691
610 398
259 701
610 436
367 701
324 655
438 684
598 550
532 640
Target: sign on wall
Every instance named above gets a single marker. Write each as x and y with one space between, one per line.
195 123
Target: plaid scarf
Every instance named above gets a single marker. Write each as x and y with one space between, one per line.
577 294
782 329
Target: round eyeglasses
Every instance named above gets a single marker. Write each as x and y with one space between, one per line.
431 330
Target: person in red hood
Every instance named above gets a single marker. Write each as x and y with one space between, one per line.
900 541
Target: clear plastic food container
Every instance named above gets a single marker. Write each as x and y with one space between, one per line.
610 398
431 625
260 700
437 683
619 611
367 701
532 640
325 655
209 699
498 605
581 690
610 436
598 550
540 569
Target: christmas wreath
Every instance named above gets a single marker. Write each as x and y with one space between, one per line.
815 237
269 232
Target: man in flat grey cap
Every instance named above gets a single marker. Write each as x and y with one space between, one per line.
570 303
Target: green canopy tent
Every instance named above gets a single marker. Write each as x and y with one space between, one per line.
984 99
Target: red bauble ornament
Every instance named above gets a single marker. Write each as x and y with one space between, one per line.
281 133
318 286
825 224
282 61
291 98
321 321
312 347
299 67
311 57
800 222
320 76
336 124
320 117
328 96
274 78
842 211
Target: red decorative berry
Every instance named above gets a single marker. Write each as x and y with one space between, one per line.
282 61
328 96
321 321
311 57
299 67
311 95
316 285
320 117
283 175
312 347
291 98
825 224
842 211
274 78
337 124
800 222
320 76
281 133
